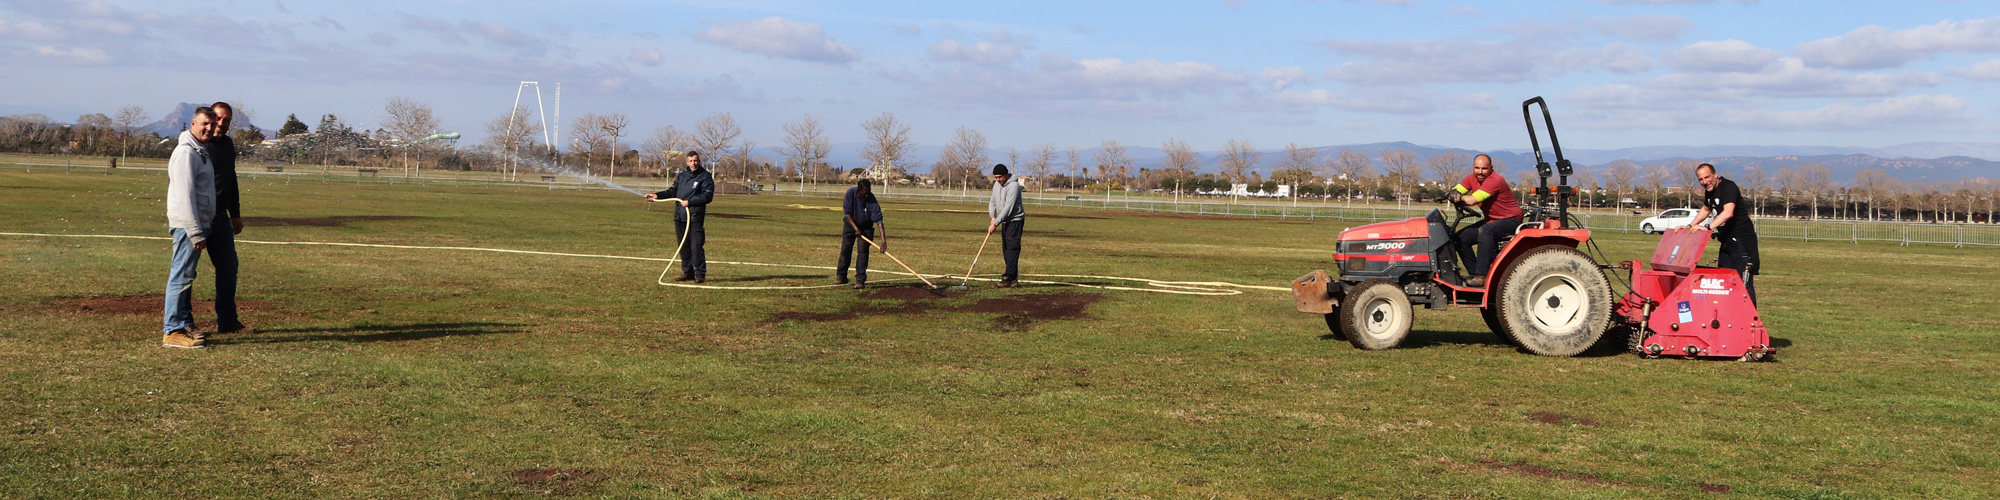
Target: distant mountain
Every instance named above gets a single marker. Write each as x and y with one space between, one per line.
177 120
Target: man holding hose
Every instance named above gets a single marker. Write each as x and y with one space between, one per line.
861 219
694 188
1008 217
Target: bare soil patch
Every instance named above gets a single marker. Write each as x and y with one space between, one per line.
1017 313
1715 488
148 304
1054 216
1528 469
1553 418
334 221
557 481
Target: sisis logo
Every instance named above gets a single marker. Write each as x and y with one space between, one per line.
1391 246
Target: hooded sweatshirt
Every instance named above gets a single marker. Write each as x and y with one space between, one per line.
190 188
1005 206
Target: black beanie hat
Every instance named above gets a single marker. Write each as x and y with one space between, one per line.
1000 169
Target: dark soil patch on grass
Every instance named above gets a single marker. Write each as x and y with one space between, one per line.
557 481
1528 469
149 304
1553 418
1054 216
1188 216
1017 313
335 221
733 216
1715 488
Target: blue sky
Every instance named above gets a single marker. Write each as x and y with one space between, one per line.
1619 73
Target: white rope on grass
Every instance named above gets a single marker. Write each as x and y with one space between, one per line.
1200 288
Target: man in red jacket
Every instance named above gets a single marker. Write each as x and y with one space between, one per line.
1490 192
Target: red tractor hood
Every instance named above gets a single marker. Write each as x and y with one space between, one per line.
1415 227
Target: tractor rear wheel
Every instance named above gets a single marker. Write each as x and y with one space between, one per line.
1376 315
1333 323
1555 301
1492 316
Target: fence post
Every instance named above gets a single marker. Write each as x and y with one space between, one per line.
1806 230
1961 237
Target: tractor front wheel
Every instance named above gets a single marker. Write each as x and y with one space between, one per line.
1376 315
1555 301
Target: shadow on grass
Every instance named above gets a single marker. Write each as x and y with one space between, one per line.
752 279
1420 339
369 333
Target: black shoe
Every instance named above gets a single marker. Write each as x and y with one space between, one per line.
698 279
840 281
685 277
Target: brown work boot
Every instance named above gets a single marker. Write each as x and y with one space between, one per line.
185 339
685 277
860 285
840 281
1476 282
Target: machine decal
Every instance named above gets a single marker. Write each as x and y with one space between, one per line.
1394 245
1687 313
1710 286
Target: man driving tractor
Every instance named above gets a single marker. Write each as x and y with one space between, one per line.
1503 216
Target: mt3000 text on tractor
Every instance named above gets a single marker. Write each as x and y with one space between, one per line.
1544 294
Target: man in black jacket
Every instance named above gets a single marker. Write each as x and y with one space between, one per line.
228 214
861 218
1732 226
694 187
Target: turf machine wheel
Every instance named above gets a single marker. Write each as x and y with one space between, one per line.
1376 315
1555 301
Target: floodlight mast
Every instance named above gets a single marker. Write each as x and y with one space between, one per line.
542 113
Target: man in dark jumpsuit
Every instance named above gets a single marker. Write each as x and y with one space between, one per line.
694 187
1490 192
228 222
859 212
1732 225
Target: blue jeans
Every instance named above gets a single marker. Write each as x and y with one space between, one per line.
222 253
180 284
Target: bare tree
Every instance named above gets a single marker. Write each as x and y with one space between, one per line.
1788 180
1619 177
1687 180
1755 180
1816 180
128 120
1655 179
888 144
713 135
962 159
1112 162
613 125
409 122
1181 160
510 133
1040 161
1352 165
1238 159
1586 185
1075 158
586 136
1401 164
806 145
1447 167
665 147
1869 182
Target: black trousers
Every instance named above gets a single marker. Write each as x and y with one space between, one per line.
1740 253
848 242
222 253
1010 248
1486 234
694 262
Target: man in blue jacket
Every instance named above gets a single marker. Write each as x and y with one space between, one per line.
694 187
861 217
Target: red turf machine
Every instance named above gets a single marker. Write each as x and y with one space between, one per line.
1677 308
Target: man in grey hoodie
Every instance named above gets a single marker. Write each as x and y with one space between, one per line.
1008 216
190 211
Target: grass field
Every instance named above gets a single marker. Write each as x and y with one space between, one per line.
394 373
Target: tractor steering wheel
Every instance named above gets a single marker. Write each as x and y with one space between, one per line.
1464 211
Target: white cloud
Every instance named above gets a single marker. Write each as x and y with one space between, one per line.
1641 28
1984 70
1056 83
1790 77
1410 62
1465 11
648 57
30 30
1000 47
1724 55
1616 57
73 55
1926 112
1288 76
1875 47
781 38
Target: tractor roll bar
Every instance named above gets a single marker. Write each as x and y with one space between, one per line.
1563 169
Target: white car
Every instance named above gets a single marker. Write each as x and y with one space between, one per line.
1672 218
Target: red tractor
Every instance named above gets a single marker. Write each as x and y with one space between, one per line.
1545 294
